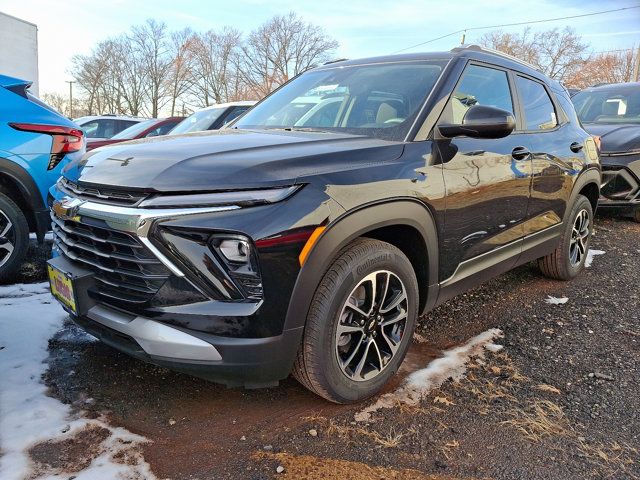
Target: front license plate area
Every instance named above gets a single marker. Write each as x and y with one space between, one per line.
62 288
70 285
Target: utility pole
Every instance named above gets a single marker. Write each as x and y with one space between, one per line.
462 39
70 82
636 73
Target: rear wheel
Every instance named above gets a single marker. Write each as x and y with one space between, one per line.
360 323
14 237
568 258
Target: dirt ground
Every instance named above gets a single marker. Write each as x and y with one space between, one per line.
559 401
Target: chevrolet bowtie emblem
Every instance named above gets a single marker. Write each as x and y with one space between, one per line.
67 208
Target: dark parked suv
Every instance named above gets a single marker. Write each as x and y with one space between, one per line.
612 112
313 246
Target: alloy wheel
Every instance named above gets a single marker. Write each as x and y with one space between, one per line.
7 238
579 238
371 325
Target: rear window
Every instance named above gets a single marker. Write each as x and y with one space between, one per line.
538 108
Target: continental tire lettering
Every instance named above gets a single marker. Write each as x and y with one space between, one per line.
371 262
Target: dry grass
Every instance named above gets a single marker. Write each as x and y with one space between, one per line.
317 468
388 440
542 418
548 388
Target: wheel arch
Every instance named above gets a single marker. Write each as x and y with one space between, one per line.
17 184
587 184
383 221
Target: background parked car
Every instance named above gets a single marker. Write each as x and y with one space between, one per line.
149 128
101 127
613 113
212 118
36 143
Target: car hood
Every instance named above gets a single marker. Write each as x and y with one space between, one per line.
231 159
616 138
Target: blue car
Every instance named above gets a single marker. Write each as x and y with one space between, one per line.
36 143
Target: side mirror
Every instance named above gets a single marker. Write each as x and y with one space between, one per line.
481 121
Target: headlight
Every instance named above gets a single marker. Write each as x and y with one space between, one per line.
240 198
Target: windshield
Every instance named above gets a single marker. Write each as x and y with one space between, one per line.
621 105
134 130
198 121
380 100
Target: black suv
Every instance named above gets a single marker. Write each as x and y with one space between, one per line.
309 240
613 113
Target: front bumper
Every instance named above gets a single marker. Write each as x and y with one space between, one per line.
246 362
620 181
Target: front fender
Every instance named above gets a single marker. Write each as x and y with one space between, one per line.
354 224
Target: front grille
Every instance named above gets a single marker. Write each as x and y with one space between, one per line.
124 269
105 195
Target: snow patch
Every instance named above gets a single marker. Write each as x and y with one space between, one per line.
590 254
555 300
451 365
29 317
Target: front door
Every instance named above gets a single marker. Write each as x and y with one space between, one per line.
487 181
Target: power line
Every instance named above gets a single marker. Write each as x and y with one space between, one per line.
516 24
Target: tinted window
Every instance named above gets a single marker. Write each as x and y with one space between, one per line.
134 130
480 86
538 109
162 129
377 100
103 128
199 121
235 113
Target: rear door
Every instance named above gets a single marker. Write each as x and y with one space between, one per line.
487 180
558 153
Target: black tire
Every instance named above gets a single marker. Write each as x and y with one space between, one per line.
16 235
636 215
560 265
317 366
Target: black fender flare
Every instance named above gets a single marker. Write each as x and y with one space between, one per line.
590 175
353 224
25 183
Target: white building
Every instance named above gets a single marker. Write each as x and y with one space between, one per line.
19 49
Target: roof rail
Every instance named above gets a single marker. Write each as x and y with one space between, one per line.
335 61
480 48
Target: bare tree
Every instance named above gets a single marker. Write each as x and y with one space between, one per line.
281 48
215 58
57 101
180 73
613 67
150 47
558 53
150 69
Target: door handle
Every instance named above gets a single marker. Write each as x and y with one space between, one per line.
520 153
576 147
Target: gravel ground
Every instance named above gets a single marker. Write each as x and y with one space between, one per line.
559 401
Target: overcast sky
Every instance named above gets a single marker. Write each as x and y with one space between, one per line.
363 28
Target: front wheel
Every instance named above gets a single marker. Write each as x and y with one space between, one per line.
567 260
360 323
14 237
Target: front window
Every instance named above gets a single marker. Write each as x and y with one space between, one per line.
199 121
611 105
380 100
